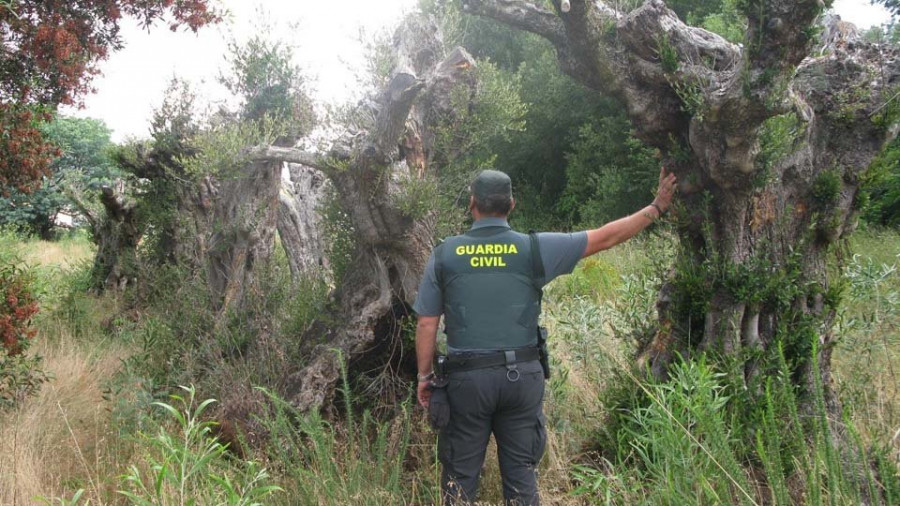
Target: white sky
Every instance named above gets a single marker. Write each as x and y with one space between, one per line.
326 35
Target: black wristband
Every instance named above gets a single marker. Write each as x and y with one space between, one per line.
658 209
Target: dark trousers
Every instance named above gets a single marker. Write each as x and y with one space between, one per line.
485 401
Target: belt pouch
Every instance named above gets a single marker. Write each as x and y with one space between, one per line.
439 405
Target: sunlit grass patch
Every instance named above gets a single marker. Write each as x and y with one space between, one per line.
62 439
66 253
867 358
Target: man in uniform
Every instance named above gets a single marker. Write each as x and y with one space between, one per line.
487 284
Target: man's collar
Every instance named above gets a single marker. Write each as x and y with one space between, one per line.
490 222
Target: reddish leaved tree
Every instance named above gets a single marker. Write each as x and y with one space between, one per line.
17 307
49 52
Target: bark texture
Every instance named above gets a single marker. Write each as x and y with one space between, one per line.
241 233
769 141
116 232
304 191
375 167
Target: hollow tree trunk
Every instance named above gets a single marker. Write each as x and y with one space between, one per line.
116 232
301 198
375 169
769 144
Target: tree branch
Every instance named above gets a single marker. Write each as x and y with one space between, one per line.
522 15
324 163
83 208
397 100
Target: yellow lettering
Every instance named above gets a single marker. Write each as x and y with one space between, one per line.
460 250
513 250
488 261
489 249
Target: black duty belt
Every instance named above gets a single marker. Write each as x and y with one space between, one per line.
467 362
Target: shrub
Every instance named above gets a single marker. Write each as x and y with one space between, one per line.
190 466
694 439
20 375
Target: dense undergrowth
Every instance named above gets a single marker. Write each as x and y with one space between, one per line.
106 429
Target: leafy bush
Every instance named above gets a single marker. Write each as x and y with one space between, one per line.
610 174
20 375
881 188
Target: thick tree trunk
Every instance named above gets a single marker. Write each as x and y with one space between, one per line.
240 233
116 233
375 169
769 146
303 193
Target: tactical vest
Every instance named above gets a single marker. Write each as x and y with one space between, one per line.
491 291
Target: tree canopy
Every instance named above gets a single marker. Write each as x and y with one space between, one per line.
50 53
83 164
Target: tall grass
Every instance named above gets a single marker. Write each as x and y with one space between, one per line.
184 464
356 460
63 438
680 444
95 421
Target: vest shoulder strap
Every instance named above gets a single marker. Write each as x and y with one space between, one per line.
537 263
439 263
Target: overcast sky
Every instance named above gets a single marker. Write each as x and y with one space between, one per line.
326 35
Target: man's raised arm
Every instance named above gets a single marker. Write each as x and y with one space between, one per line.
619 231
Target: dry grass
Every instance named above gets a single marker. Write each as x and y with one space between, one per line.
64 254
61 440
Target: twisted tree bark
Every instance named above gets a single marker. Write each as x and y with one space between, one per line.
769 142
302 195
374 168
116 233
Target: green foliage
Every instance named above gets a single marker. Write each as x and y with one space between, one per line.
465 141
20 373
270 86
417 197
189 466
893 6
83 166
776 140
881 187
827 188
726 21
667 54
608 173
693 10
380 60
220 150
693 100
695 426
337 228
596 278
554 174
357 460
888 33
21 376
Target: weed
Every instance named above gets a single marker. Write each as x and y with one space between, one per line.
667 54
190 466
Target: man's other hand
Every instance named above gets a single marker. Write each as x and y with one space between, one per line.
424 393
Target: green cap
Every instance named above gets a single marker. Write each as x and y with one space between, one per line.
491 183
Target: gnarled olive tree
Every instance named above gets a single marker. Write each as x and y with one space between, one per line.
769 140
376 167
